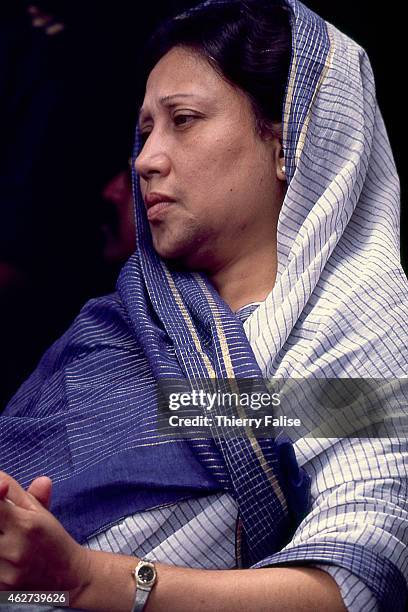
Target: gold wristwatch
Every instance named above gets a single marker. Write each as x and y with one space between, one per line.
145 575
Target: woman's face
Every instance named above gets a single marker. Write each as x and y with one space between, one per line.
201 151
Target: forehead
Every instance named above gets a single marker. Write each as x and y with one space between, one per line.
186 74
182 66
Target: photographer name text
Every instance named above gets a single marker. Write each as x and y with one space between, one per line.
232 421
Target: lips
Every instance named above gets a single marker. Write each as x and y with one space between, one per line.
157 204
154 198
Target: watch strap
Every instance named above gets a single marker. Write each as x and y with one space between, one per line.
140 599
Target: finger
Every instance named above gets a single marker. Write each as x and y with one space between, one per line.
10 576
40 489
6 515
8 547
16 493
4 487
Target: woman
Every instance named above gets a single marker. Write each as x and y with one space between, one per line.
294 227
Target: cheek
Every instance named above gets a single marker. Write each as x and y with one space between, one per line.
221 167
218 175
236 174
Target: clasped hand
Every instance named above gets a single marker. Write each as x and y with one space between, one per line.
36 552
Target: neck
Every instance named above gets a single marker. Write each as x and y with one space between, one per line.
248 279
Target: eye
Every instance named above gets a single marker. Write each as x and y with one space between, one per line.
181 120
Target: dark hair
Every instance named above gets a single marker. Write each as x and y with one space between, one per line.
247 42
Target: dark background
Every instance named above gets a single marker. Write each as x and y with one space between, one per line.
67 112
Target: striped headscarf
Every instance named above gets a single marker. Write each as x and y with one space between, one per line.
340 299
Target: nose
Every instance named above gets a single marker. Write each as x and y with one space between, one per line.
153 159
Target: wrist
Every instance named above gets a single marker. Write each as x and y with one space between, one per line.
83 564
107 585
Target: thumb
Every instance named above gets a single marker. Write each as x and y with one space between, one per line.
40 489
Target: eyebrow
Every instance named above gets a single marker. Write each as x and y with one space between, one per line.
165 100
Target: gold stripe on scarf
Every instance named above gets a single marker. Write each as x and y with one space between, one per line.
231 377
305 127
189 322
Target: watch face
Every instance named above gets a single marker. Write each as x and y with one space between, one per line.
146 574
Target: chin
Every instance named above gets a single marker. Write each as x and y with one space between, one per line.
169 252
169 247
184 251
